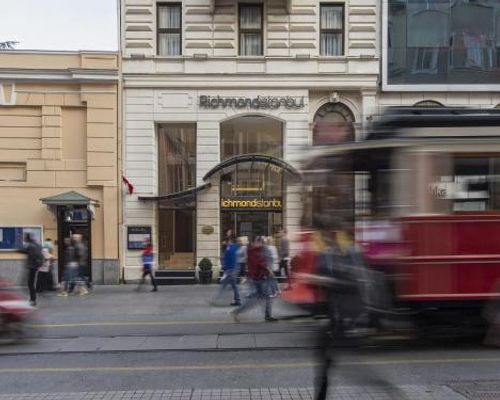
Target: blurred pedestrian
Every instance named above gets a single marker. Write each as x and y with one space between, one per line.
148 265
231 272
34 260
72 280
45 279
227 237
257 274
82 258
241 255
272 260
340 274
284 254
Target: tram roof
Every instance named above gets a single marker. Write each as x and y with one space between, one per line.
415 117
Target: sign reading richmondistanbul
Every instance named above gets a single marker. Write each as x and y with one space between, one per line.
259 102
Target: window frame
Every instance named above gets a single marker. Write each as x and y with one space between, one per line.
167 30
241 30
341 31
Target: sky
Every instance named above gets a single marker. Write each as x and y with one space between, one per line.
60 24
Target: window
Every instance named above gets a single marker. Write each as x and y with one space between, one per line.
176 173
176 157
333 123
169 29
443 42
251 27
332 30
251 134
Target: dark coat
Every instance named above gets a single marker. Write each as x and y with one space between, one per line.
34 259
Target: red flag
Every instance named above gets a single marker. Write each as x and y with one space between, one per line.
130 187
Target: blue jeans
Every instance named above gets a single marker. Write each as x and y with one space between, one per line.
72 276
232 280
259 291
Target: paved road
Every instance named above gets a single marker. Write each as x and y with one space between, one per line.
119 340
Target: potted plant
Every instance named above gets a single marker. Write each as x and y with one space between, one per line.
205 273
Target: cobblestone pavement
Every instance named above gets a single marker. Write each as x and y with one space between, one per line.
411 392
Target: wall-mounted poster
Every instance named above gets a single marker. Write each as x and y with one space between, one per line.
137 237
12 237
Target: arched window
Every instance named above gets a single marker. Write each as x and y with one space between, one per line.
428 104
333 123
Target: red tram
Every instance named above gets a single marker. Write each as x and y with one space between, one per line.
423 194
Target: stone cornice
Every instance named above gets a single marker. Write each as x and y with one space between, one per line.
77 75
253 81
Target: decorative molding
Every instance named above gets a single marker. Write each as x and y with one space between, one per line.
8 97
77 75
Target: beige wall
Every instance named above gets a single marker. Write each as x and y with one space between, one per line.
63 131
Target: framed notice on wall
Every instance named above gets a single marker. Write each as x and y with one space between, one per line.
137 237
12 237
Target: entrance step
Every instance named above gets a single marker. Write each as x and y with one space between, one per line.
175 277
182 261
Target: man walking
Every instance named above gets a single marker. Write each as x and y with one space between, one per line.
34 261
231 271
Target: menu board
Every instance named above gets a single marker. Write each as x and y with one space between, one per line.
137 236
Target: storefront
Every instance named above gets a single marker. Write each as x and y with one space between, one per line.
209 161
233 168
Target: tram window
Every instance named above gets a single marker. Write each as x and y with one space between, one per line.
475 183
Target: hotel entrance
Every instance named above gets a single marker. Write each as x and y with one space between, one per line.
251 189
251 223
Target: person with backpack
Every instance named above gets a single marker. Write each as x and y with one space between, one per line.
34 260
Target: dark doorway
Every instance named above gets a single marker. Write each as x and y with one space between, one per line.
176 238
71 221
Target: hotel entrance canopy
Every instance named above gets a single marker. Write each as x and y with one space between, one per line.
252 161
187 198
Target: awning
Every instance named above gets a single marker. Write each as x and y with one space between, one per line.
71 198
249 161
184 196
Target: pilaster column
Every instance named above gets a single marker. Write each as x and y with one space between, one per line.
368 109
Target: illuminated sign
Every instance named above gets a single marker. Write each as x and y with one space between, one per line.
249 203
259 102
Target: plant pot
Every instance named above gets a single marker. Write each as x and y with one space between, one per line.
205 277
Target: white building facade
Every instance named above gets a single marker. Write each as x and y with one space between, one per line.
220 98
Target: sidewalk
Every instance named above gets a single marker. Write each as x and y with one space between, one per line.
411 392
119 319
175 303
164 343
